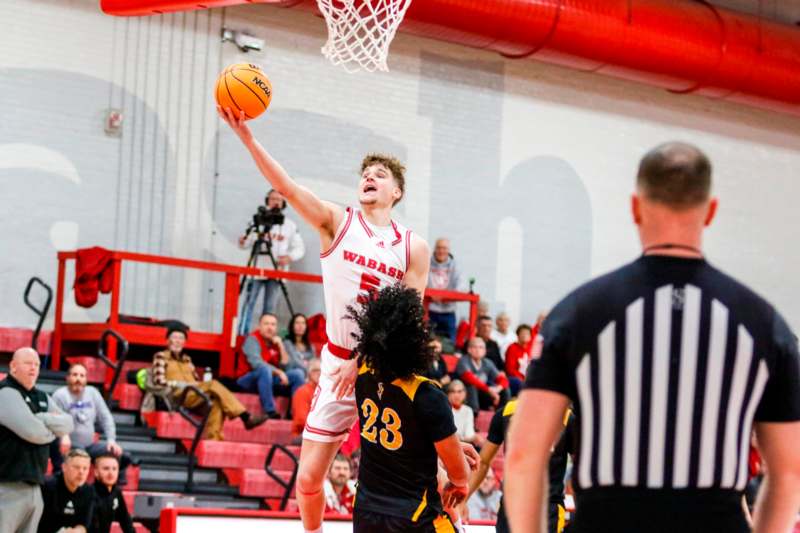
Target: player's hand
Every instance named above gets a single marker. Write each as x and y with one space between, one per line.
344 378
284 379
237 123
114 448
65 445
453 495
472 456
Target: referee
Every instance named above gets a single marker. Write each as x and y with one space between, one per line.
669 363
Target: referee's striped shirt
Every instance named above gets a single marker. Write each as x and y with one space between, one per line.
668 362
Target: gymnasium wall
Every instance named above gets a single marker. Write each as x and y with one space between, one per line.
527 167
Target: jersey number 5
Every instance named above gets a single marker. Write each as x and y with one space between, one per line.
389 435
369 285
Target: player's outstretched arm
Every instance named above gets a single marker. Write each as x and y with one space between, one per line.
525 481
420 262
322 215
488 453
452 456
779 497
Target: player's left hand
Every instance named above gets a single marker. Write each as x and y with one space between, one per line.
344 378
453 495
473 458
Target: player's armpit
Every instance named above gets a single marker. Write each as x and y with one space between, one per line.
419 263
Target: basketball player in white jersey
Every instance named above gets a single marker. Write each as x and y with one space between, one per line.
361 250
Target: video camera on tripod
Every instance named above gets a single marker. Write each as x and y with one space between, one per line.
264 219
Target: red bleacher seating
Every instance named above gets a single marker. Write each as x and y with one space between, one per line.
483 420
275 504
128 396
225 454
13 338
174 426
255 482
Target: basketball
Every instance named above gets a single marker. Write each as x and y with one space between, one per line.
243 87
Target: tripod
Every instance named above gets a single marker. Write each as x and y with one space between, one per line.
262 246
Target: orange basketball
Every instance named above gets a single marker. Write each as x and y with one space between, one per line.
243 87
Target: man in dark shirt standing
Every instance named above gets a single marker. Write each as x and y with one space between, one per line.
669 363
109 505
68 501
29 422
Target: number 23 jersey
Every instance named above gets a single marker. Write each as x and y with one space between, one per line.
400 422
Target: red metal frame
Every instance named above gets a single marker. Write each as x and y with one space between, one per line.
223 342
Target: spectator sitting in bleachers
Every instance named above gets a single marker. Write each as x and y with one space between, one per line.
437 371
443 275
486 385
339 487
180 372
297 344
301 401
484 504
518 357
485 328
88 410
464 332
109 505
68 501
503 334
463 416
261 369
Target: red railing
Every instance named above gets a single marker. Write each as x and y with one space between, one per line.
223 342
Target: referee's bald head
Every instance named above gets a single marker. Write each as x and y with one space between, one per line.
675 174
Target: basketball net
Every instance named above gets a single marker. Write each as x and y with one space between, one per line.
360 31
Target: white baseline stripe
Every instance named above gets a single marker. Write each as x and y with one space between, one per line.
607 355
716 363
633 392
741 371
686 386
584 377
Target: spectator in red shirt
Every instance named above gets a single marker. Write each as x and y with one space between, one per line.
301 401
518 356
263 364
339 487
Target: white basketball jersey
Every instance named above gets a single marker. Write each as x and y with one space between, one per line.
362 258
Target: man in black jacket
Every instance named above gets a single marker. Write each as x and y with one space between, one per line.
109 505
29 422
68 500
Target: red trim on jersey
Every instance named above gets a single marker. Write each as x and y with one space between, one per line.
339 238
364 225
397 235
501 380
340 352
408 249
325 432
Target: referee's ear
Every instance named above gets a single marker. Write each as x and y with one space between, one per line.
636 209
712 211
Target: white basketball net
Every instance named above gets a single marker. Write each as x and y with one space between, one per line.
360 31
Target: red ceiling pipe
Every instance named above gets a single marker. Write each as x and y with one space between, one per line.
685 46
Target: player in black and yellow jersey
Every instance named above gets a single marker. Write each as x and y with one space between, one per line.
558 466
406 422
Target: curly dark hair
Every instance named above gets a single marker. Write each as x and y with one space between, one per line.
394 335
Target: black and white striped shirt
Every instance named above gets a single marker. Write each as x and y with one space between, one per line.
668 362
